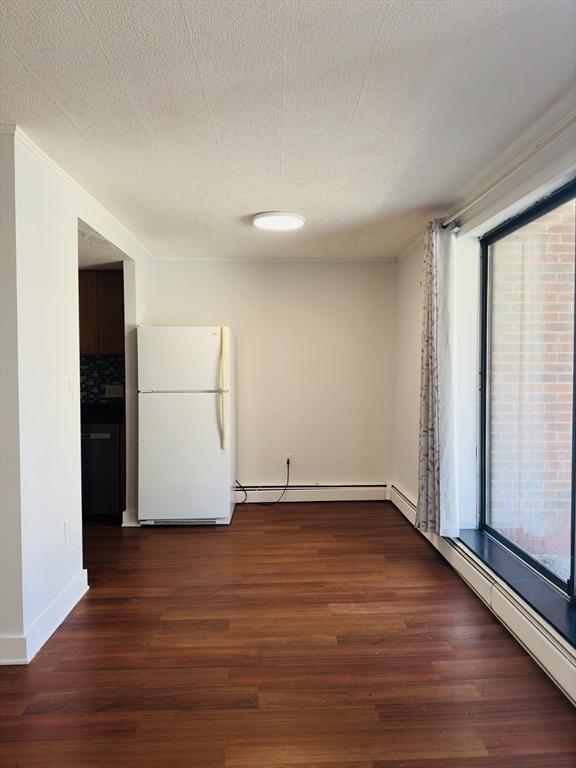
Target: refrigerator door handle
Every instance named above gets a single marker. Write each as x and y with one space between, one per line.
223 421
224 359
223 387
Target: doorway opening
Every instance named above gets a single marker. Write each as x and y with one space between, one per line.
102 378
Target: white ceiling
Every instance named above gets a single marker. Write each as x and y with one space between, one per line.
183 118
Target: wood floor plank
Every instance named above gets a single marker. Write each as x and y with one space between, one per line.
70 679
486 761
325 635
13 703
272 750
79 752
136 699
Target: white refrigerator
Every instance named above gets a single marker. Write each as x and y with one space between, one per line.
186 472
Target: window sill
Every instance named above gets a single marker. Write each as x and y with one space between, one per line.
540 594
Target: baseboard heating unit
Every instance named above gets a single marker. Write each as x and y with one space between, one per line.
182 521
265 494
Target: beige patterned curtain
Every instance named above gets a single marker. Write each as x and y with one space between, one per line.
437 485
428 512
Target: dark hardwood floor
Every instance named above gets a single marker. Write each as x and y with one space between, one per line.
303 636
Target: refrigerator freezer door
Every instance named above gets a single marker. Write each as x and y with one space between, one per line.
181 359
184 474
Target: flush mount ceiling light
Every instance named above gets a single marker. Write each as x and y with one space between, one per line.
278 221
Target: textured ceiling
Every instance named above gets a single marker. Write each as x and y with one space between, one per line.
95 252
183 118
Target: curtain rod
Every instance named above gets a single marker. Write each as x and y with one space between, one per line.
520 162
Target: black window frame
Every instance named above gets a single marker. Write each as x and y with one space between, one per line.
560 196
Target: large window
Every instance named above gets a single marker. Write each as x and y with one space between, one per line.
527 458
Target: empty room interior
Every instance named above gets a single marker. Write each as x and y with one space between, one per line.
288 475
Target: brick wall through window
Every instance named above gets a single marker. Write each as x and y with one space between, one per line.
531 350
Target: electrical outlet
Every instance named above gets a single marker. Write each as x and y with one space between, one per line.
285 458
67 532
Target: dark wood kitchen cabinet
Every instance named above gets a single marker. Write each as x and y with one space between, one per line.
88 308
101 312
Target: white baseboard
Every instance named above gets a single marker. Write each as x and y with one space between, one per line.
266 495
404 502
130 518
13 649
549 649
21 649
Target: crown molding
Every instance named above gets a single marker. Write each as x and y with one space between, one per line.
520 161
20 135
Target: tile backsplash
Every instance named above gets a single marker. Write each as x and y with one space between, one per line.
96 373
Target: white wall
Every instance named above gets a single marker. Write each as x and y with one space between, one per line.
315 359
11 606
48 385
408 324
47 207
